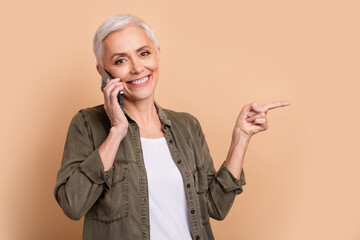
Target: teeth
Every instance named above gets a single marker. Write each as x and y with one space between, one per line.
140 81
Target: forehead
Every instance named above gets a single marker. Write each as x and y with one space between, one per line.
125 40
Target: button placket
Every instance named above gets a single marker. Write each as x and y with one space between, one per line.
190 198
143 186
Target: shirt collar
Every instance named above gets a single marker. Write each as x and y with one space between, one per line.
162 115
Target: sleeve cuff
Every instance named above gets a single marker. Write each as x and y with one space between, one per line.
228 182
93 168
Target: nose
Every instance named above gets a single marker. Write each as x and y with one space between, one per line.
136 66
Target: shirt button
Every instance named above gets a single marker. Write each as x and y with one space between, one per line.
192 211
197 237
137 150
179 161
188 186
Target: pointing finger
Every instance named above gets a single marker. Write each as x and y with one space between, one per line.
273 105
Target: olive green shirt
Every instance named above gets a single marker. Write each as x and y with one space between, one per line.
115 202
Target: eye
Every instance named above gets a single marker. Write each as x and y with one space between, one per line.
120 61
145 53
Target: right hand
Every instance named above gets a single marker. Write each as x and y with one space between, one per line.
112 107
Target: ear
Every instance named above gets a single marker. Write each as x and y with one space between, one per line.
98 68
158 54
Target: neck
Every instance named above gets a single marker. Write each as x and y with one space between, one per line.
142 112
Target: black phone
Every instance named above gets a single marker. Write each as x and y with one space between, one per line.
104 77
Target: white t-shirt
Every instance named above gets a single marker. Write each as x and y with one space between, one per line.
167 203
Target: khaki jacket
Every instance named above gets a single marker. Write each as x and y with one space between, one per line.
115 202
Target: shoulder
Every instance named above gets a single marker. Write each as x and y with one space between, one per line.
95 110
90 114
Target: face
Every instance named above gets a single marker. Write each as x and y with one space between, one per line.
129 54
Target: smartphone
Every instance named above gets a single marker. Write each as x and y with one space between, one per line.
105 75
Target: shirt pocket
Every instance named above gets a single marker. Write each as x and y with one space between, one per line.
201 188
113 203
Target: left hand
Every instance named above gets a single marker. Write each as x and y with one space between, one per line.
252 118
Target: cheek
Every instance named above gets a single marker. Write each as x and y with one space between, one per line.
153 64
123 72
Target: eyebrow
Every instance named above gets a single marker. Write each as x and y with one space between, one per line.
125 54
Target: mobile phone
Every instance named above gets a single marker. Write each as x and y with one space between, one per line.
104 77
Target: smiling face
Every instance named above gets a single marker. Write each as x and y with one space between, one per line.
129 54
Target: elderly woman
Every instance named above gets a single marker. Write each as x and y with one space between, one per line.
145 172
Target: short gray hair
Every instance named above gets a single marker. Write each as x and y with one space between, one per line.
115 23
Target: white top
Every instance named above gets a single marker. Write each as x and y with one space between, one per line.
167 203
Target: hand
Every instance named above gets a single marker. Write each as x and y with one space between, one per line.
252 118
112 107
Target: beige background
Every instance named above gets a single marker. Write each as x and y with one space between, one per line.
302 173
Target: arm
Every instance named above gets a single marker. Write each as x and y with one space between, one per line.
235 158
87 170
230 178
251 120
81 178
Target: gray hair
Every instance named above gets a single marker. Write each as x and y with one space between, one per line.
115 23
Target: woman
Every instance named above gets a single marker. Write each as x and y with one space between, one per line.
146 172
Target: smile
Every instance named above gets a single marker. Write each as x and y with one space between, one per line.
140 82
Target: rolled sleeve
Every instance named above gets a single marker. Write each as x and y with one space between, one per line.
228 182
93 168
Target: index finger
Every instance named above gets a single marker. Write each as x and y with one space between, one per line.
273 105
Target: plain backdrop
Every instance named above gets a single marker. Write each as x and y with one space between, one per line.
302 173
